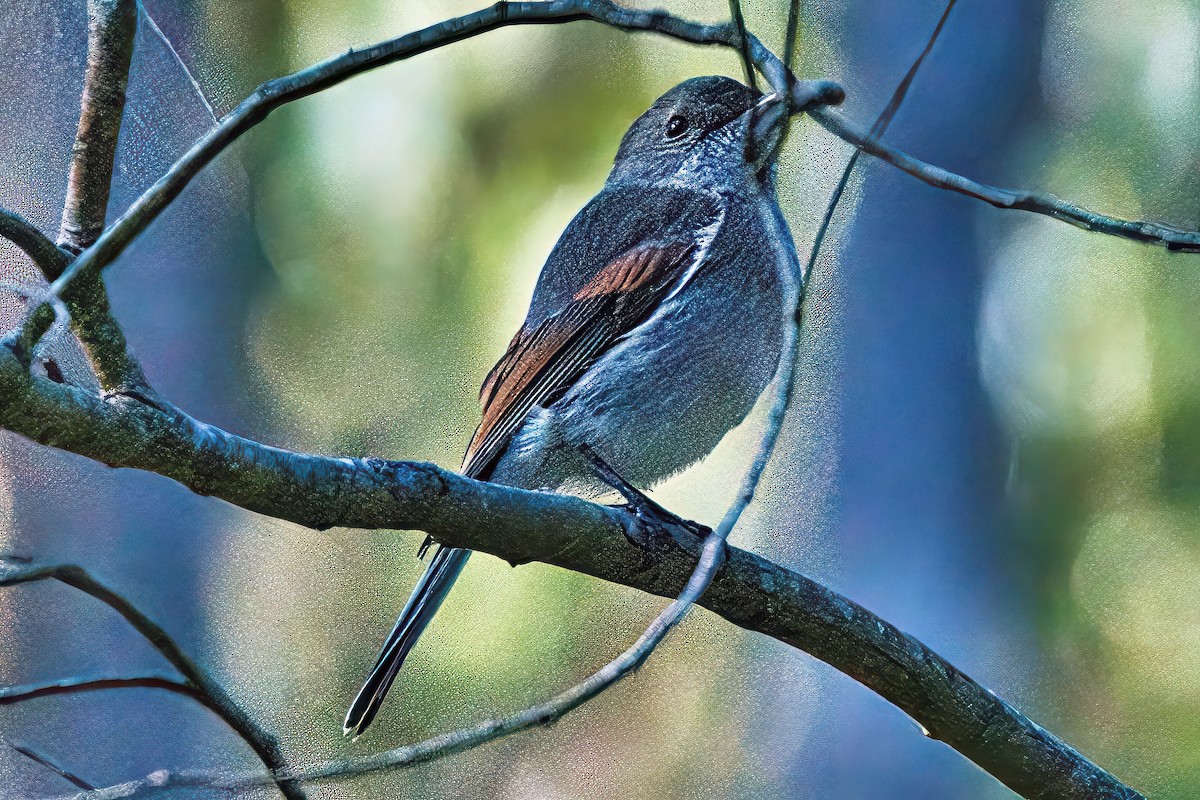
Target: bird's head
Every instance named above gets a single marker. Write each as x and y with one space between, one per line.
710 130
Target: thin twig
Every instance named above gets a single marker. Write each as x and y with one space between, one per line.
739 22
44 760
1157 233
208 691
877 130
183 67
521 526
78 684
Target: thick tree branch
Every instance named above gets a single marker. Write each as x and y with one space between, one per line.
204 688
522 526
111 28
112 25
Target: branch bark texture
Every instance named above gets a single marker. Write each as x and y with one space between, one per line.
111 28
112 25
134 428
521 526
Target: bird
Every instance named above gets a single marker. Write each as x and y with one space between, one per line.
655 324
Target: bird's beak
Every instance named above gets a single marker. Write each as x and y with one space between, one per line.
766 129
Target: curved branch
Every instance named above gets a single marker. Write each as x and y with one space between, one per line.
522 526
208 691
277 92
77 684
48 257
1173 238
280 91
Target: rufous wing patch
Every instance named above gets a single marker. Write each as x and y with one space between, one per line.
543 362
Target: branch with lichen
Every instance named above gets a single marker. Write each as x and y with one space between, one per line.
522 526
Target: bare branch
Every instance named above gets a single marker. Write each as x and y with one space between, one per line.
522 526
280 91
877 130
38 758
111 28
1170 237
77 684
178 59
318 77
44 253
739 22
789 36
124 431
206 690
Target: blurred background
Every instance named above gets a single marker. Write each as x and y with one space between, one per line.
995 445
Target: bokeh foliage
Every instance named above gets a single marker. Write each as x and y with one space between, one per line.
389 233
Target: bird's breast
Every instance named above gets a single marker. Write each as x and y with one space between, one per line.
662 397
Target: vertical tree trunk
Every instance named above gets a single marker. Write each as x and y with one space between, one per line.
921 461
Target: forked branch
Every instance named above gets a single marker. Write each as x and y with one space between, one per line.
122 430
196 682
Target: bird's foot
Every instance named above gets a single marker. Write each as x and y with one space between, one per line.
687 534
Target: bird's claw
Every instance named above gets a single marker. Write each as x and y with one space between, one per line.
688 535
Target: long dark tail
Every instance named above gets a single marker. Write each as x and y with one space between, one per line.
428 595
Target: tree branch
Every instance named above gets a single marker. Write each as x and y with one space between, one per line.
112 25
123 431
48 257
522 526
1156 233
277 92
205 689
280 91
739 22
78 684
111 28
712 550
47 762
877 130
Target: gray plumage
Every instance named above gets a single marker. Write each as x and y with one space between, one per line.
656 323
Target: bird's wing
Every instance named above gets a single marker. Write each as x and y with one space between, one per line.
588 297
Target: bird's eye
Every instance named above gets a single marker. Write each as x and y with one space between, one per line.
676 126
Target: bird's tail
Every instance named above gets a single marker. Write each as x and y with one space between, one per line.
428 595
